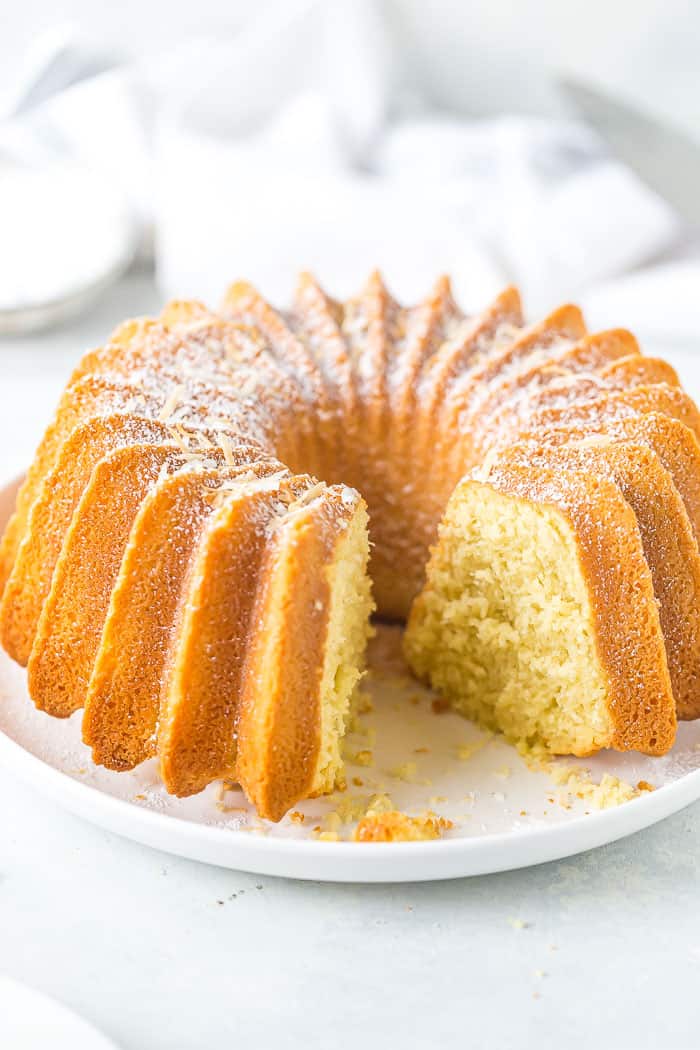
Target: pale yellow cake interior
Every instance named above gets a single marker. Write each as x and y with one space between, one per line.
399 402
348 631
503 629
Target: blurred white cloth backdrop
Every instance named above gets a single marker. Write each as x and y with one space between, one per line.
302 143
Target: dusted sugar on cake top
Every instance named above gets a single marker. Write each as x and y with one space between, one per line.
222 500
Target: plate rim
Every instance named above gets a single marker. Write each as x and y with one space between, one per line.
72 1023
332 861
348 862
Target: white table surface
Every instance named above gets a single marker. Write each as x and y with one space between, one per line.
167 953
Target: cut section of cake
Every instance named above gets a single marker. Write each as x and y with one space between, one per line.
668 541
539 618
188 559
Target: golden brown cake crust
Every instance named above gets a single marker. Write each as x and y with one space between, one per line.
50 517
668 543
200 703
673 442
285 660
627 627
73 613
394 826
123 701
169 513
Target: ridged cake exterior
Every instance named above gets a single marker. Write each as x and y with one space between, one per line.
530 495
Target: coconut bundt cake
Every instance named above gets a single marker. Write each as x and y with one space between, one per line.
175 568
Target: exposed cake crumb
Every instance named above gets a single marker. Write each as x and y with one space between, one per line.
394 826
350 809
296 817
379 803
466 751
578 782
405 771
611 791
362 758
332 821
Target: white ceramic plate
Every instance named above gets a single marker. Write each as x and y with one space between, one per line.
30 1020
504 814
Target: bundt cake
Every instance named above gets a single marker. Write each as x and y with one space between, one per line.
530 496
